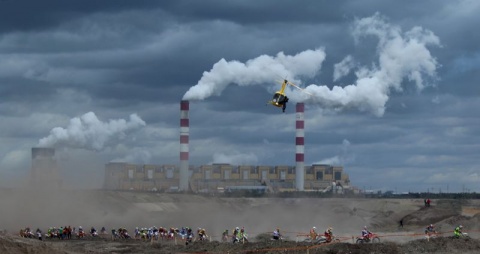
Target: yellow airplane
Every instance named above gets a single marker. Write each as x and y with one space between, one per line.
280 99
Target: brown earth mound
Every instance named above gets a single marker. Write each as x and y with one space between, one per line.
444 209
17 245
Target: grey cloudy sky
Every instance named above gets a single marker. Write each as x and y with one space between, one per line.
395 86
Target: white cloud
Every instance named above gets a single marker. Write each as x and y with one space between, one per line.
454 176
345 156
256 71
136 156
343 68
235 158
457 131
89 132
335 160
401 56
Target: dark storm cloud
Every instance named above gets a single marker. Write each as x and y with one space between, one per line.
39 15
249 12
133 48
29 91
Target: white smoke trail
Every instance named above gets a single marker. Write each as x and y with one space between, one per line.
263 69
343 68
401 56
90 133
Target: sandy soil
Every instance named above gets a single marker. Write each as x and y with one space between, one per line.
258 215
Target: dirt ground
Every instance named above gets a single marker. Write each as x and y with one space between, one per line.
440 245
259 216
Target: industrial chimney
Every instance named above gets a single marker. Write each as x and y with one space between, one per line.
184 136
299 147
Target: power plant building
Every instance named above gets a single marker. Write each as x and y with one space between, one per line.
212 178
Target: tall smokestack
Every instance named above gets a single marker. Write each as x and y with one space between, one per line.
184 135
299 147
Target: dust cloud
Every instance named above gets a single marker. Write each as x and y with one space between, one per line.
113 209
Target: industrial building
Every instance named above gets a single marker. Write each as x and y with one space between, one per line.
219 177
206 178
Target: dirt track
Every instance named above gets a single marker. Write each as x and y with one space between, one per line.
258 215
442 245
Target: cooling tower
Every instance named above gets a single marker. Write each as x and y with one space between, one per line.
184 135
45 172
299 147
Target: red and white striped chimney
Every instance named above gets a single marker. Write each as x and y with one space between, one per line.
184 136
300 147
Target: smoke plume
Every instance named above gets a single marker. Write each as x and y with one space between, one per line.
88 132
343 68
263 69
401 56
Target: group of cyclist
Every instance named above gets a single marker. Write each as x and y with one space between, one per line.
328 234
63 233
366 234
238 235
457 232
187 234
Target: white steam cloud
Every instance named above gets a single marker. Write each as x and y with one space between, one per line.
263 69
137 155
344 158
343 68
235 159
88 132
401 56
